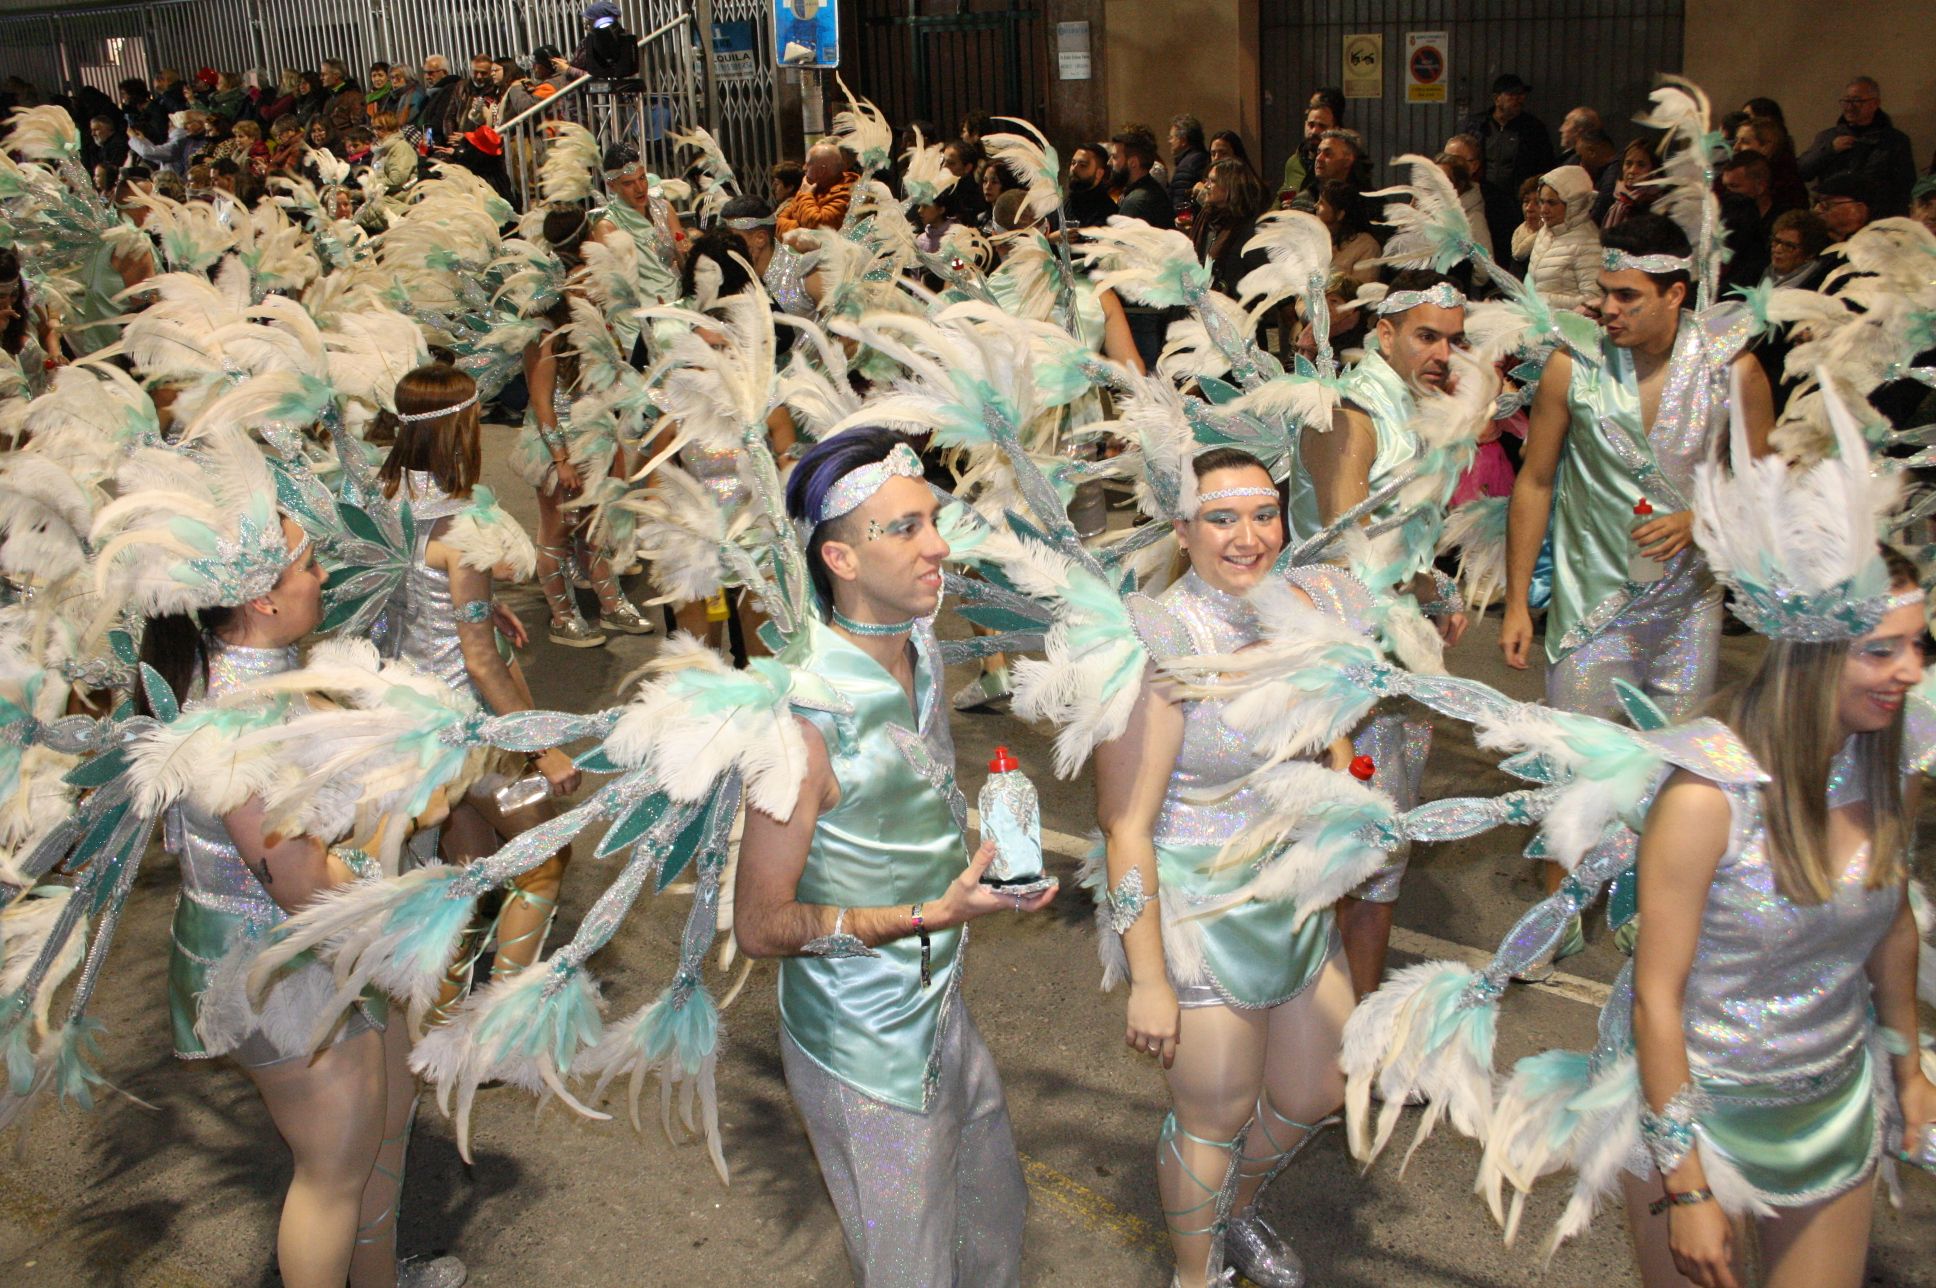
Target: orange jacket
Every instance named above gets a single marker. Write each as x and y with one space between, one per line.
806 209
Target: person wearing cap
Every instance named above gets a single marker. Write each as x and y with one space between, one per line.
1864 143
1846 203
1514 146
1565 258
1369 443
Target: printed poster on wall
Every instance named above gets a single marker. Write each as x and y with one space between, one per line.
1428 69
1364 65
806 33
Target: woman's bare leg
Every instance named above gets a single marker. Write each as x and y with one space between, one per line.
1214 1084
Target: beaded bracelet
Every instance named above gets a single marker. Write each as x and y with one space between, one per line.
1679 1198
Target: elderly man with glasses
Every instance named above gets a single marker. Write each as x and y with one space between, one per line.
1864 142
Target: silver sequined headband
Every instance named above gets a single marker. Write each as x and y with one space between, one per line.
747 223
451 410
1225 493
628 168
1443 294
1615 261
854 487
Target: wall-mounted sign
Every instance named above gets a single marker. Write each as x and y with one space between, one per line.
1428 69
1072 60
806 33
1364 65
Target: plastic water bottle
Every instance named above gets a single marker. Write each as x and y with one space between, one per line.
1363 769
1011 816
1642 568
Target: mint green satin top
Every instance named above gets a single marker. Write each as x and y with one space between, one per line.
895 838
1610 461
1373 388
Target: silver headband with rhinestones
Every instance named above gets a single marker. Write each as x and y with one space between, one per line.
1443 294
854 487
451 410
747 223
1615 261
1225 493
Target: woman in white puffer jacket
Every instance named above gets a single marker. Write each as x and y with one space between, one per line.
1566 254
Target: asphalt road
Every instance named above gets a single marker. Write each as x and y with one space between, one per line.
182 1191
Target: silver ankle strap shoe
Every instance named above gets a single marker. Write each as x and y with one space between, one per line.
1262 1254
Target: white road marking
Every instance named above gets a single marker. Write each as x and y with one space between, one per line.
1573 988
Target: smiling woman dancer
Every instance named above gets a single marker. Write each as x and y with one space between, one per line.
1244 1007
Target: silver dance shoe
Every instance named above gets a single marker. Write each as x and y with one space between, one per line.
576 633
625 620
1262 1254
439 1272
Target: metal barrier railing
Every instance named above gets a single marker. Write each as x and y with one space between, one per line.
667 100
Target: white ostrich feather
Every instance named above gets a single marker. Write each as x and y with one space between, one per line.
1299 249
1294 848
43 134
1429 223
862 129
689 743
1157 267
1030 157
683 533
1397 1040
1477 531
925 174
571 156
44 518
369 350
486 539
817 392
1091 672
733 380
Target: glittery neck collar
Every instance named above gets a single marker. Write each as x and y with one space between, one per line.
232 665
1234 610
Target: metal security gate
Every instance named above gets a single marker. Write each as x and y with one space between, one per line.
959 56
56 50
1598 53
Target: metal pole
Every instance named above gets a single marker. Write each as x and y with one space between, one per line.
708 73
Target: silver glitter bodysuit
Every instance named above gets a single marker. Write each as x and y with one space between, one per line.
428 638
785 281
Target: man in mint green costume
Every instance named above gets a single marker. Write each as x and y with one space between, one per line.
637 210
864 890
1369 444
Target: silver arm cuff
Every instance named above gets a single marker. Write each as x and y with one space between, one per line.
837 942
1126 902
1669 1133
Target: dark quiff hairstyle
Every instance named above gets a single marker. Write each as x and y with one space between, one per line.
1651 234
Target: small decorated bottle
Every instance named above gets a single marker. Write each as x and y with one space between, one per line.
1363 769
1011 816
1642 568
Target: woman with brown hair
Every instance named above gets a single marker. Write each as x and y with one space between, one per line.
1233 198
454 629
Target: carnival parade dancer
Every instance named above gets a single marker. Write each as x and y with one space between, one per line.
1244 1004
1369 444
450 627
865 890
640 211
214 624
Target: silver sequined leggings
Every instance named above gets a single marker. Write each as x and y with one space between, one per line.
925 1200
1669 647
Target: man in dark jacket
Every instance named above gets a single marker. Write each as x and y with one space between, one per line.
106 143
1189 161
140 108
440 86
1088 203
471 106
1865 142
1514 147
345 107
1133 154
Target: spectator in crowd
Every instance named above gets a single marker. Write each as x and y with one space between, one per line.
1846 204
312 99
549 74
1632 194
201 88
320 136
993 179
1317 119
934 222
393 162
1595 154
973 126
966 203
376 89
1458 172
281 100
1513 147
1748 211
472 104
482 153
1922 202
824 193
1133 153
1564 266
1189 160
285 144
171 91
1088 204
229 101
1354 247
441 85
1795 260
106 143
1530 222
1864 142
608 52
1233 199
356 145
345 106
140 108
406 95
1767 135
783 179
1336 160
1573 126
174 151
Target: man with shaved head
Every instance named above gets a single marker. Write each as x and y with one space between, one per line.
824 194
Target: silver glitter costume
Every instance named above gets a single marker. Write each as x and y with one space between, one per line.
1663 638
1248 956
428 635
786 281
222 921
924 1199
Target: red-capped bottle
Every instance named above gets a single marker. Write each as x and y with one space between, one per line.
1011 816
1642 568
1363 769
